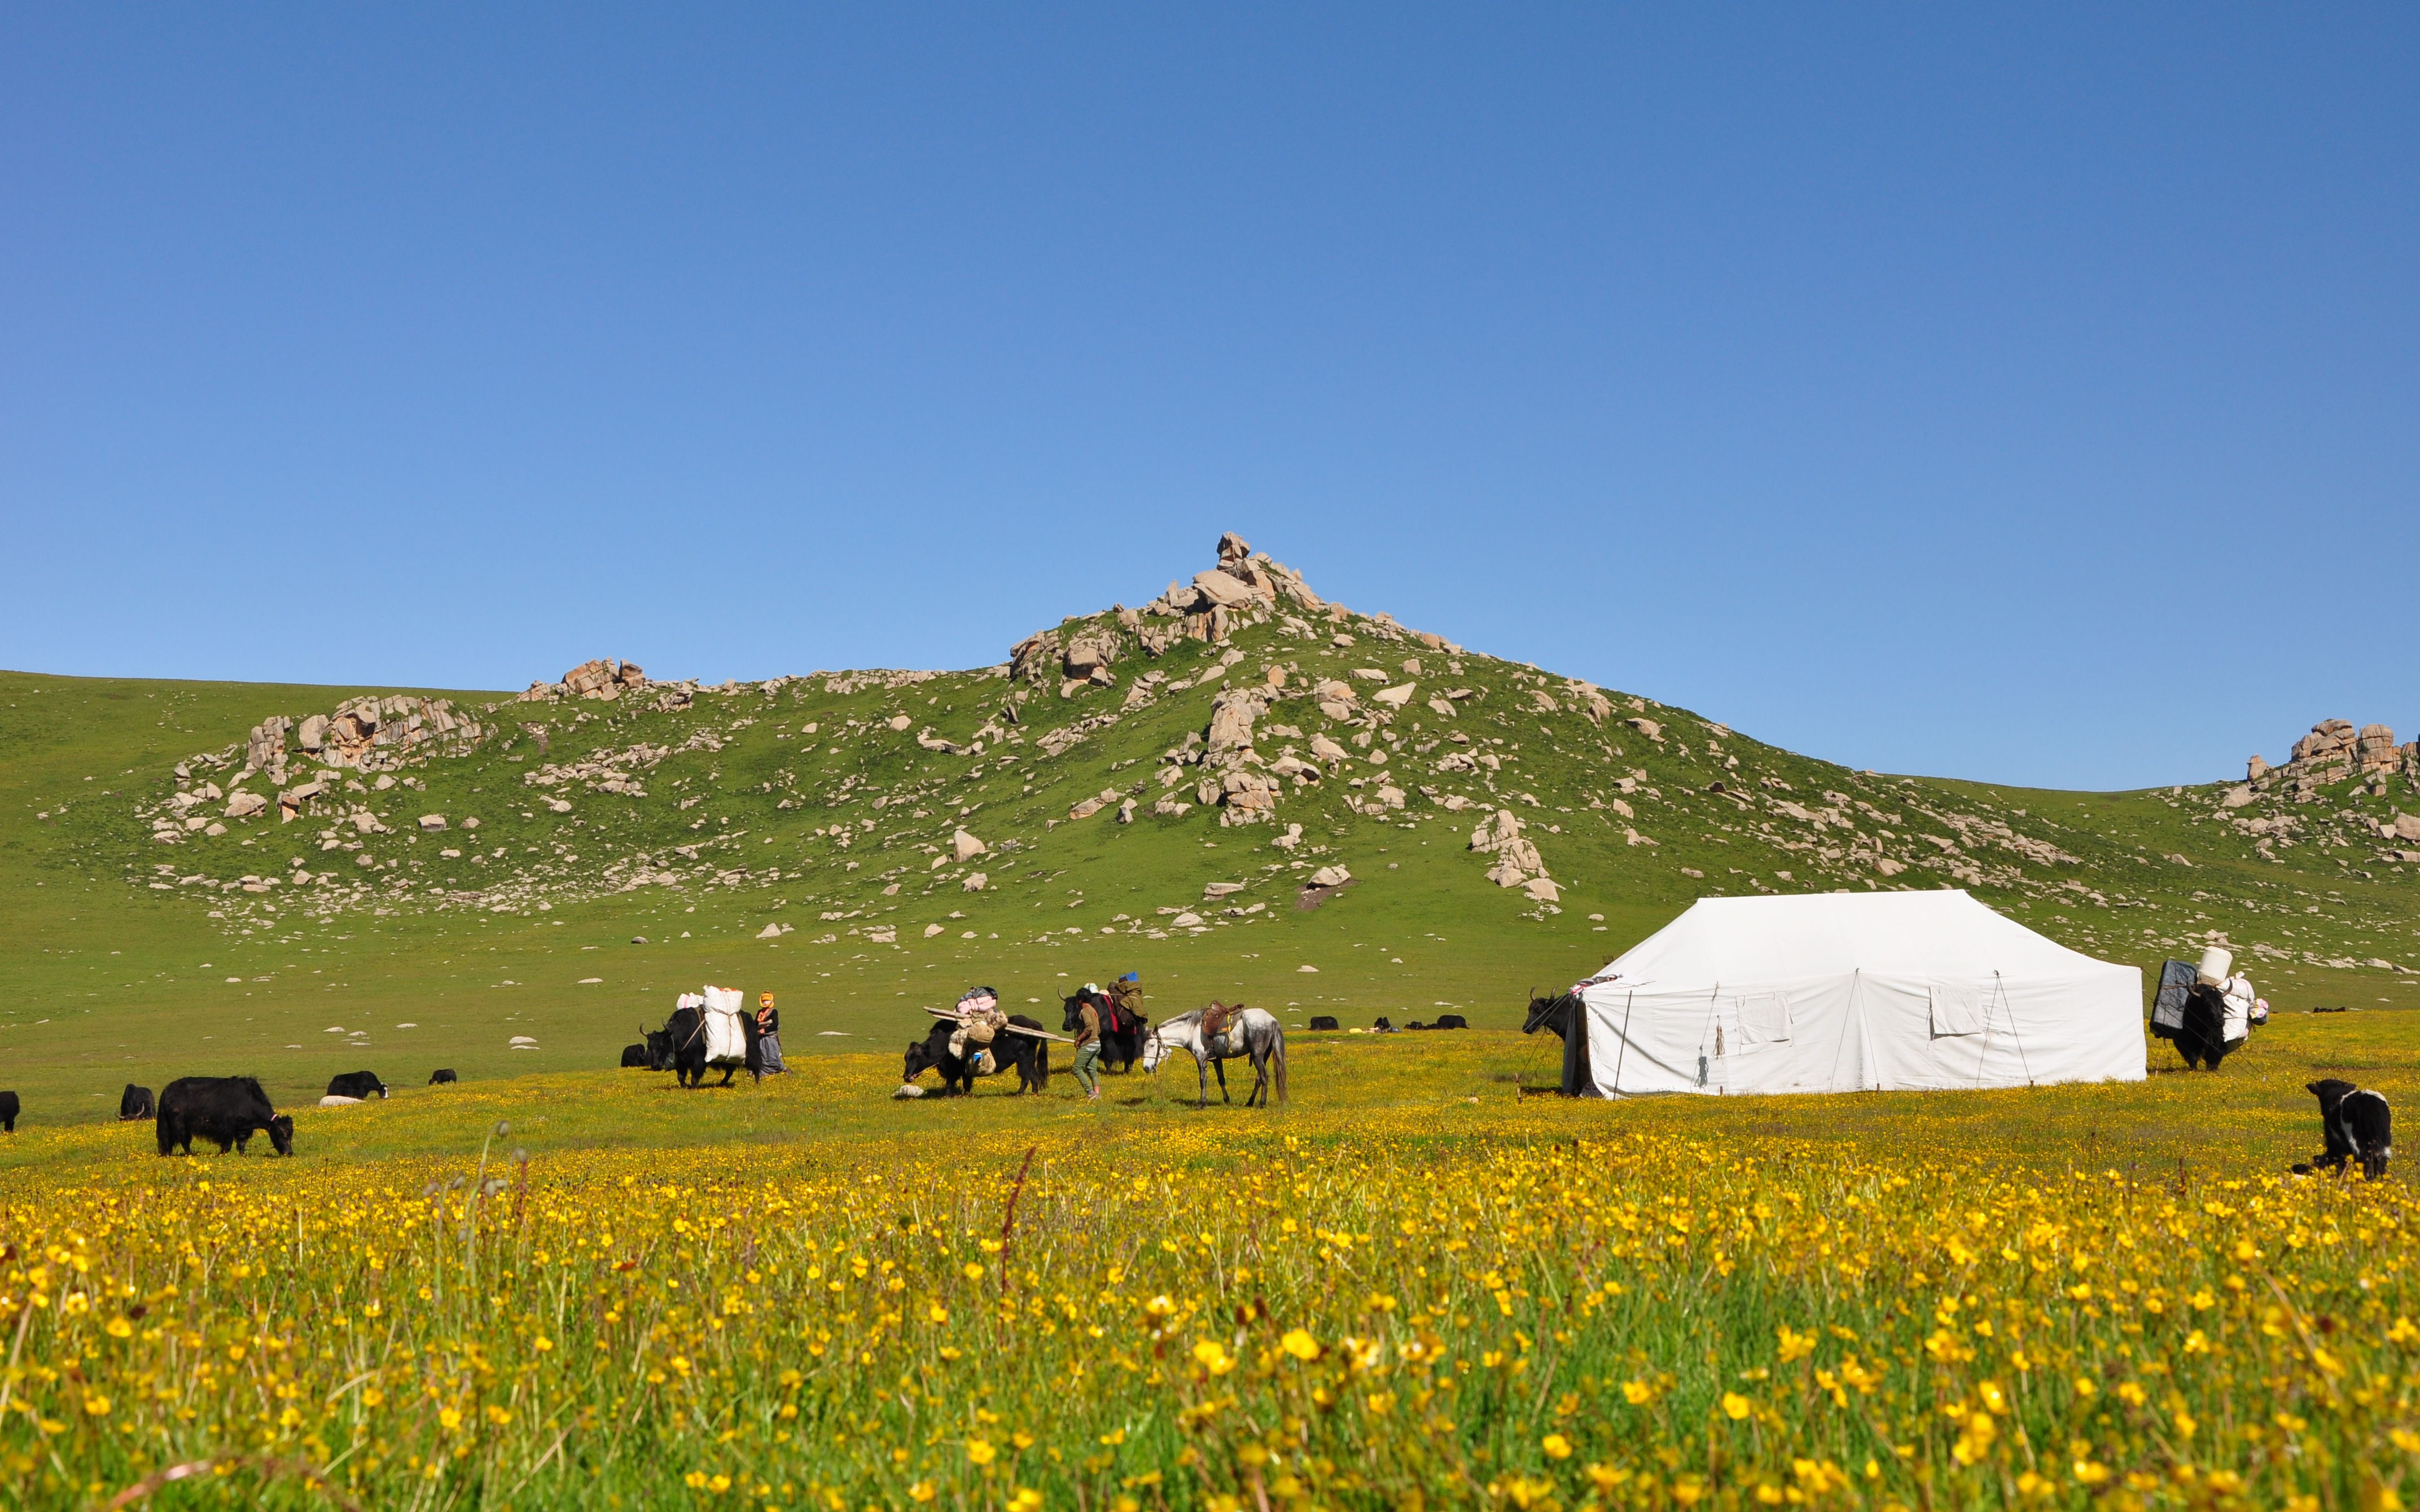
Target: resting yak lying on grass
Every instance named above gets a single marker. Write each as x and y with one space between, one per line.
2357 1124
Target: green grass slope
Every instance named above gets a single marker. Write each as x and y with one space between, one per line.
827 807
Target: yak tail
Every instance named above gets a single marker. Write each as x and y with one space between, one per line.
1276 1065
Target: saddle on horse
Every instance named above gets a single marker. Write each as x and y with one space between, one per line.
1223 1029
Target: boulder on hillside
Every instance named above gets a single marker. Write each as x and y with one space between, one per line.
964 846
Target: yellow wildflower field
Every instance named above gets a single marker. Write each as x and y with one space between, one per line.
1412 1287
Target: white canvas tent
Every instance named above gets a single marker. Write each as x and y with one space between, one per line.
1857 991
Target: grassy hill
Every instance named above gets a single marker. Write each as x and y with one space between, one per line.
599 854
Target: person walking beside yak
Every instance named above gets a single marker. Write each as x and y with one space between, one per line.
768 1035
1088 1047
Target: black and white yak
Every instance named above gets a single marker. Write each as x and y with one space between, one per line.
2356 1125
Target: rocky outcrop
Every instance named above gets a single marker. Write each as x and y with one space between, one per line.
2335 752
371 732
603 679
1517 861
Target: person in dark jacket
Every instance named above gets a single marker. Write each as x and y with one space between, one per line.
768 1035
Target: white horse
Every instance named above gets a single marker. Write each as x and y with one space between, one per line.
1249 1033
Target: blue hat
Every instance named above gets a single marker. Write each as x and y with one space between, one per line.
1130 977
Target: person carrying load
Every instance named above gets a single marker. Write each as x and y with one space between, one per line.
980 1019
1125 1002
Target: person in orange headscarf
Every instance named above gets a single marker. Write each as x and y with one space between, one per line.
768 1035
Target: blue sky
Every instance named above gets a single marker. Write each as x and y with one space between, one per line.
2027 394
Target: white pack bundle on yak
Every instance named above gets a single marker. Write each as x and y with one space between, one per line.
713 1028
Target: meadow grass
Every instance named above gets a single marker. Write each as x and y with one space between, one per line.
1414 1284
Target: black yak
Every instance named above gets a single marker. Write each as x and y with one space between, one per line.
226 1110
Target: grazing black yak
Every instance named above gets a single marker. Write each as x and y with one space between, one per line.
442 1076
1029 1057
2357 1125
134 1102
8 1113
635 1057
226 1110
1322 1021
361 1083
1451 1021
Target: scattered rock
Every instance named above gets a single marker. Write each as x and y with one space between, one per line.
975 882
431 823
1330 876
964 846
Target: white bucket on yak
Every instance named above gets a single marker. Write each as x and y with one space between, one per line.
2216 962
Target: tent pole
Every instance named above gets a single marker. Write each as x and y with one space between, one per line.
1623 1054
2001 984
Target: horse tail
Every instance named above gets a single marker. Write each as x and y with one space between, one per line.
1277 1063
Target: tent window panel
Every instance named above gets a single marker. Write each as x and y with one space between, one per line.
1957 1008
1764 1018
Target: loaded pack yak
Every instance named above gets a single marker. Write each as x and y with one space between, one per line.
2357 1125
684 1032
134 1102
359 1084
1122 1034
226 1110
1031 1057
8 1113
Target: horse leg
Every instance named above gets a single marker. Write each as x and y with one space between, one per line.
1219 1065
1259 1095
1202 1078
